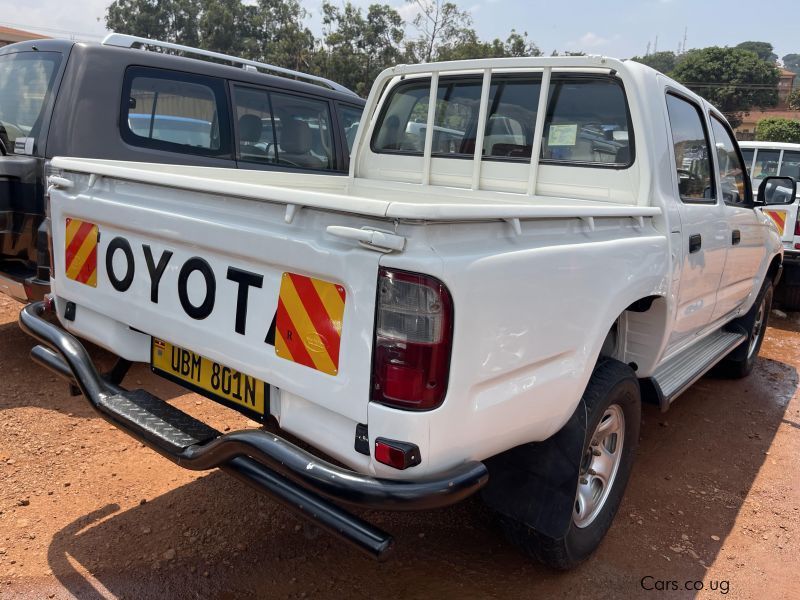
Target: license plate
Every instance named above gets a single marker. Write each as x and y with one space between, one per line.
213 380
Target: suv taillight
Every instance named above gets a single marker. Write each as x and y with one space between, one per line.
413 339
797 224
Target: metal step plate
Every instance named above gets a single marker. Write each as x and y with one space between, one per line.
159 421
682 370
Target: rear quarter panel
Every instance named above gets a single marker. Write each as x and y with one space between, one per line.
531 314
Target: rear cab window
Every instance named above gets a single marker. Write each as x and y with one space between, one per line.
26 89
174 111
587 122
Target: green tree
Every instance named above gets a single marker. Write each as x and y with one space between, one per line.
763 50
224 27
441 25
166 20
276 34
792 62
664 61
356 47
267 30
733 79
774 129
519 45
794 100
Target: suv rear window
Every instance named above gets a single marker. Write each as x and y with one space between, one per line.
587 121
174 111
26 81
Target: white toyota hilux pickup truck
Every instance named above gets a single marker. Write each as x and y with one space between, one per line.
524 251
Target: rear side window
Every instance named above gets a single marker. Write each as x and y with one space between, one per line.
692 150
587 120
283 129
790 166
173 111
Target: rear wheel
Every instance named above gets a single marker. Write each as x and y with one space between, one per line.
612 408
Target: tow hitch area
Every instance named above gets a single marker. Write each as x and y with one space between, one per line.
295 478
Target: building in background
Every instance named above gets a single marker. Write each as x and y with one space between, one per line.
9 35
747 130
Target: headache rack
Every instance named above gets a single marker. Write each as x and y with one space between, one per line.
122 40
485 68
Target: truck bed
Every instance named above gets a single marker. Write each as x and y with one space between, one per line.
381 199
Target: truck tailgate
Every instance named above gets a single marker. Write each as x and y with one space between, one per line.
227 278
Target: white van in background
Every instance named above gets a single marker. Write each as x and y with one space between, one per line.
779 158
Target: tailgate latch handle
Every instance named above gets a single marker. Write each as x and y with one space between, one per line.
60 182
374 239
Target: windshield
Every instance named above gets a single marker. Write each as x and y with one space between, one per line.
25 81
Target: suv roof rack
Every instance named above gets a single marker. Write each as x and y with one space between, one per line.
131 41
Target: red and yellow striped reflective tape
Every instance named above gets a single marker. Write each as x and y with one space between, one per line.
779 217
308 325
80 255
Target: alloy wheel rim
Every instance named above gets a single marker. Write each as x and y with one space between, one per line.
758 324
599 467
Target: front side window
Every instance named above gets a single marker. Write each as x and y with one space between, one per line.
692 150
790 165
26 81
587 120
172 111
350 117
730 169
766 163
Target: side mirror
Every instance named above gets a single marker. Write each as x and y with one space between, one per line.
777 190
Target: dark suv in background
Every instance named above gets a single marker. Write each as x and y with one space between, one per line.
116 101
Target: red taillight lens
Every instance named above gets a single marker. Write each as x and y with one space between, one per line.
413 340
797 224
400 455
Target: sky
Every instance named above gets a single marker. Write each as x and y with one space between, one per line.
612 27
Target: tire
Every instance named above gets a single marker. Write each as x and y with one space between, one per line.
790 298
742 360
612 406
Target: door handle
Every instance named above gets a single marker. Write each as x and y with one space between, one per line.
736 237
695 242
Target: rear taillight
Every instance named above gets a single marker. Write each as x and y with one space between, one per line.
413 339
797 224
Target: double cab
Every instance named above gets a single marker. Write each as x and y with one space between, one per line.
524 251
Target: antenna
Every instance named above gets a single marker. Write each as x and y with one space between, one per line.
647 52
685 31
655 45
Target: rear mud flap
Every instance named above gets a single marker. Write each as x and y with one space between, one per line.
536 483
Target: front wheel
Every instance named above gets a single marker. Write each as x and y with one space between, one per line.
742 360
610 430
